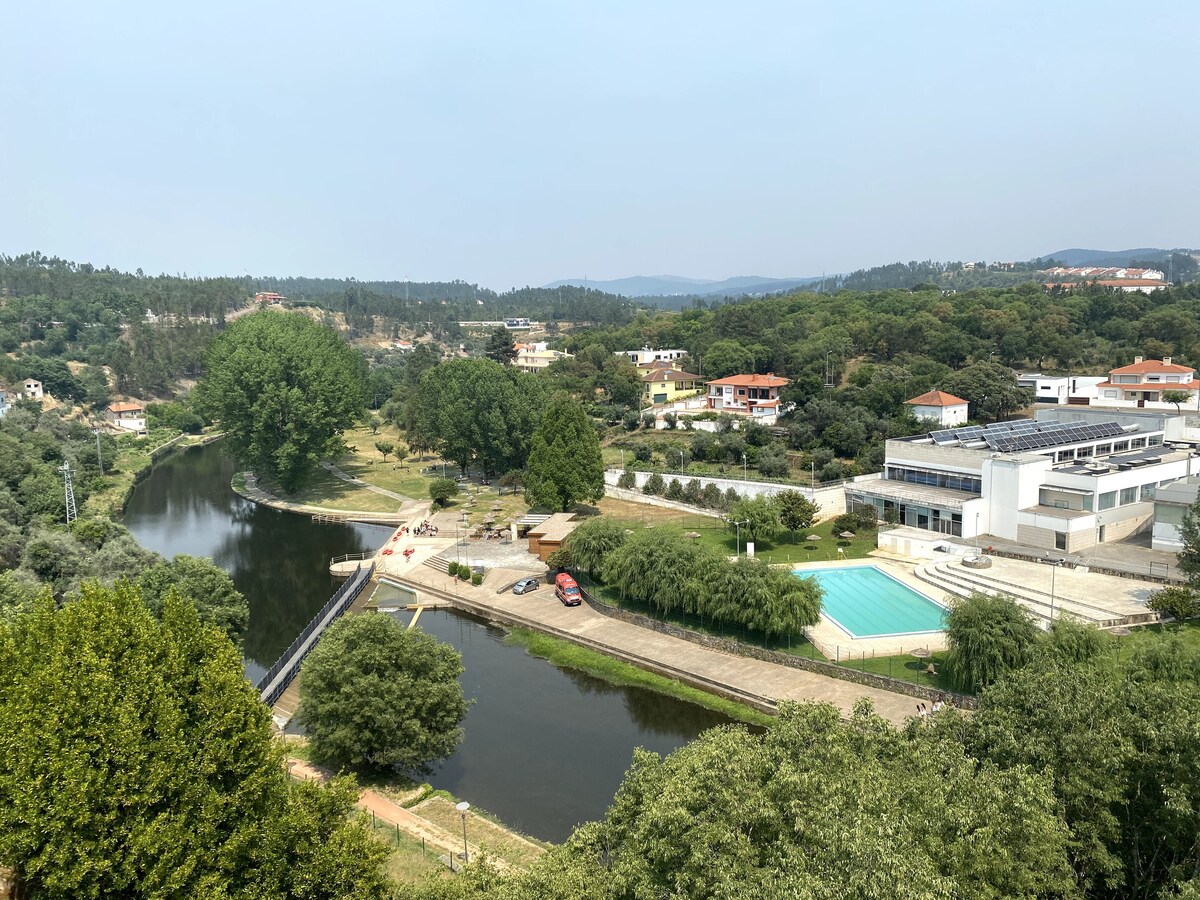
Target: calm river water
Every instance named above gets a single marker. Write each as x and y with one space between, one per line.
545 748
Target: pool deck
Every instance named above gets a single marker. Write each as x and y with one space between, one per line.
838 644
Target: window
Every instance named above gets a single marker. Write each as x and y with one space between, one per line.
1120 446
1128 495
1148 491
1137 444
1156 440
1108 499
1104 450
1111 395
1060 540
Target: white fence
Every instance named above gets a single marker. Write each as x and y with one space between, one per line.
831 499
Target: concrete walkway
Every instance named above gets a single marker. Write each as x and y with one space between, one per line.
752 681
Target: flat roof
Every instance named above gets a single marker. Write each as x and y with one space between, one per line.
555 528
905 492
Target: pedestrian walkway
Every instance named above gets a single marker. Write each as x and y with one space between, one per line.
253 491
752 681
358 482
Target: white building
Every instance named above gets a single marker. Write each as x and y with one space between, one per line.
5 406
1049 483
1170 505
944 410
537 356
1061 388
31 389
646 356
126 415
1144 382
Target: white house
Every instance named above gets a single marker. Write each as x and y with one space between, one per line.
1054 483
1145 381
129 416
1170 506
645 356
5 406
944 409
756 396
1061 388
31 389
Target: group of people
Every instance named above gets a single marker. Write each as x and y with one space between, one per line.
924 712
494 534
425 529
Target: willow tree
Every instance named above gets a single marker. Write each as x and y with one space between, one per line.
283 388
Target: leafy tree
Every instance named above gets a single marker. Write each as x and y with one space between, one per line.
1189 554
988 636
759 517
138 762
796 511
374 422
199 581
283 388
441 490
990 388
593 540
727 357
1176 397
500 347
1072 641
565 465
385 448
654 485
375 695
1177 601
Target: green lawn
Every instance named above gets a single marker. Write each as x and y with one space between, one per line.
409 860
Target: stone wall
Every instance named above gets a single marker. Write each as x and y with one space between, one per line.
737 648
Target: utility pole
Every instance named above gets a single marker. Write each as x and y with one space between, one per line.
737 543
72 514
99 455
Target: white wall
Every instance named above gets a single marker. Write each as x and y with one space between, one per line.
1010 484
831 500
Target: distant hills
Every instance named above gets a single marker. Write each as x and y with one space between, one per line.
679 286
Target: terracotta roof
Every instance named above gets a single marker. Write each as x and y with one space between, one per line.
768 380
1151 365
125 407
1192 385
936 398
669 375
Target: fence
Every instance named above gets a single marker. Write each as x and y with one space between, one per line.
787 650
272 685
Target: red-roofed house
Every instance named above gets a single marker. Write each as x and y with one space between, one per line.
1145 381
938 406
749 395
131 416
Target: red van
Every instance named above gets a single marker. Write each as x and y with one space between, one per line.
566 589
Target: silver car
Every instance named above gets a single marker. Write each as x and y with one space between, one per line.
526 585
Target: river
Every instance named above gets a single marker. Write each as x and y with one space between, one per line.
545 748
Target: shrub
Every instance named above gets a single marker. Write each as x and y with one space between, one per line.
710 496
692 492
452 568
628 480
729 498
674 490
560 558
654 485
441 490
630 420
670 420
648 421
643 453
476 578
464 572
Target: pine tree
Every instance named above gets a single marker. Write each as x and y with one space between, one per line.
565 465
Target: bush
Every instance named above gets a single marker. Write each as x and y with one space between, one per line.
464 572
648 421
643 453
670 420
710 496
630 420
674 490
692 492
654 485
560 558
476 579
729 499
442 489
452 568
856 520
628 481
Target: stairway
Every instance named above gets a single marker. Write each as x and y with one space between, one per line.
439 563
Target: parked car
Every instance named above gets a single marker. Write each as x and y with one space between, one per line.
526 585
566 589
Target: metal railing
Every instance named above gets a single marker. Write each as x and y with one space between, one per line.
272 685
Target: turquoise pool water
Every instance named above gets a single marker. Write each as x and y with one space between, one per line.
866 602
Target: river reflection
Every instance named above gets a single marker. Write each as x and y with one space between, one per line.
279 560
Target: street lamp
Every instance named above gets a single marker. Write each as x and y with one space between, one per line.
745 477
681 463
99 455
462 811
737 543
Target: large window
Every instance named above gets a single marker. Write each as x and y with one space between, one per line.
1108 500
1148 491
1060 540
1128 495
950 480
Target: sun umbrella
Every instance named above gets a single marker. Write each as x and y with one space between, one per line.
847 535
691 534
922 653
813 537
1120 631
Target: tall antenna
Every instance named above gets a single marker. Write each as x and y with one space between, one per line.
72 515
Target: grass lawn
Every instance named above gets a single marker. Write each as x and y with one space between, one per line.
408 860
905 668
482 830
572 656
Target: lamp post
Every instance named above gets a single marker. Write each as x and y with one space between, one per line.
745 468
737 543
681 463
462 811
1053 572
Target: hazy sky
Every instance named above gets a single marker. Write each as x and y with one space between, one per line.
514 142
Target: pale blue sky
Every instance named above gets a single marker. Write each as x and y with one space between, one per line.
515 143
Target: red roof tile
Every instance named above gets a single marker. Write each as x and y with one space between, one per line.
936 398
768 380
1151 365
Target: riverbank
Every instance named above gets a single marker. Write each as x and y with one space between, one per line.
134 462
247 486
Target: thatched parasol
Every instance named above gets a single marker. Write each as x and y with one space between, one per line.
813 537
691 534
846 535
921 653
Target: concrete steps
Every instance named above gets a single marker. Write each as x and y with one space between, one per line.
438 563
961 582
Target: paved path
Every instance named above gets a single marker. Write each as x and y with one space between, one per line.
753 681
386 811
254 492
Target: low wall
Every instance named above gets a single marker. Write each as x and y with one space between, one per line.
831 499
654 500
737 648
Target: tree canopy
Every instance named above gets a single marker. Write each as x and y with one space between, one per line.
138 761
500 347
283 388
565 465
202 583
375 695
988 636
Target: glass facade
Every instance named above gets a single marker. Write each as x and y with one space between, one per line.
971 484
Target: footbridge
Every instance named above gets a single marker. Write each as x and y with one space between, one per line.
279 676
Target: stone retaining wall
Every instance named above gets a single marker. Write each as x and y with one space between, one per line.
737 648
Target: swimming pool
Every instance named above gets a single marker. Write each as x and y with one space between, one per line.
866 602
